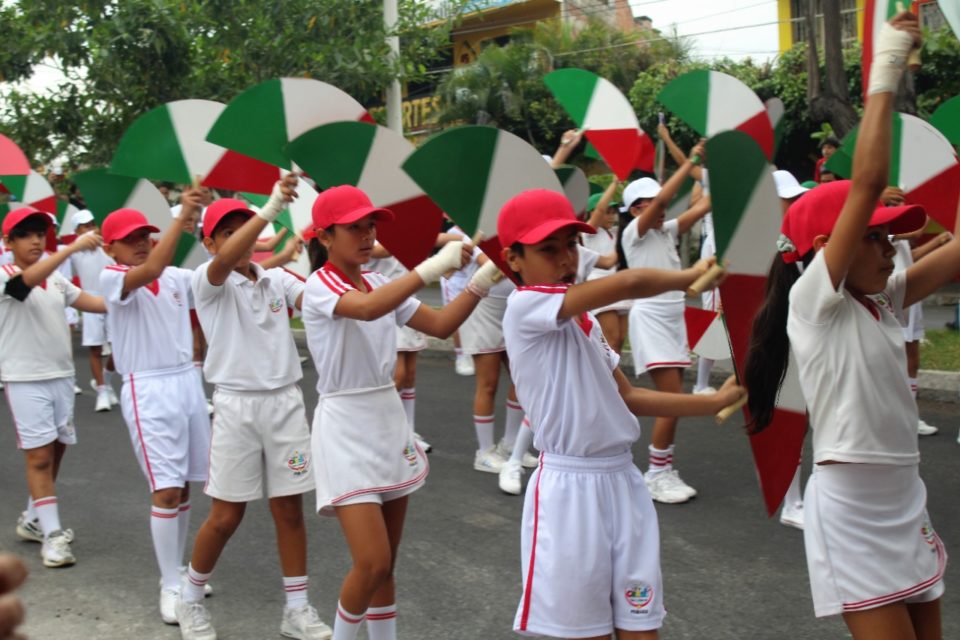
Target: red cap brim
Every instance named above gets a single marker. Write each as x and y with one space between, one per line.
126 231
545 229
903 219
352 216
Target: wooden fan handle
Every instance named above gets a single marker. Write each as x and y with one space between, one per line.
724 414
706 281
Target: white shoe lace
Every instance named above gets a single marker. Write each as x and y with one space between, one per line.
198 618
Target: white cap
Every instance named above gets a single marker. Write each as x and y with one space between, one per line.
84 216
787 186
642 188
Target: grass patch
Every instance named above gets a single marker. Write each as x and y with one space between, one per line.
941 350
296 323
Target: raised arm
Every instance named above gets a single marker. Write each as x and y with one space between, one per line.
935 269
271 243
687 219
676 152
162 254
40 270
871 157
568 142
603 204
290 251
648 217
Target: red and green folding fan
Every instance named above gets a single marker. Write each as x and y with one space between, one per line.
711 102
923 164
472 171
262 120
947 118
604 113
875 13
746 220
30 189
169 143
13 162
706 334
370 157
575 186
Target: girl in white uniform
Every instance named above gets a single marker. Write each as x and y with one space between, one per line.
603 217
658 334
590 547
872 553
450 288
37 364
367 462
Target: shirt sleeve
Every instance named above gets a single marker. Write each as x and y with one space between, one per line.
406 310
111 285
322 293
630 236
813 298
673 228
11 283
200 285
588 260
536 312
70 291
292 287
896 290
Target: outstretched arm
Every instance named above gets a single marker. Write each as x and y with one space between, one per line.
648 217
647 402
675 152
40 270
603 204
568 142
936 269
162 254
687 219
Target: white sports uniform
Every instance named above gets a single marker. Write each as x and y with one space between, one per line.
590 543
658 334
709 299
868 538
162 397
87 265
604 242
362 443
408 339
451 287
911 319
66 269
36 358
482 331
259 421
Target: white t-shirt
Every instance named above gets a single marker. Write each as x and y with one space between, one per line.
578 411
853 370
656 249
603 243
250 345
586 261
88 265
34 336
348 353
150 328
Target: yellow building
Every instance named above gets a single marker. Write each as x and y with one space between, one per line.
793 28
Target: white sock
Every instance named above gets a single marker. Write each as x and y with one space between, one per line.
163 530
914 385
347 624
514 418
194 584
484 428
704 367
660 459
296 591
409 399
523 442
794 495
458 351
107 376
31 512
183 529
382 623
48 514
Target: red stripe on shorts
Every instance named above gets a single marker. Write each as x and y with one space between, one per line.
528 590
143 445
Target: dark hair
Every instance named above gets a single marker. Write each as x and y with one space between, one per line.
218 227
30 224
317 254
623 219
769 351
831 140
518 248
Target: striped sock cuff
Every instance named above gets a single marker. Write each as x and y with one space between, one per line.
158 512
349 618
295 584
483 419
184 506
514 405
197 578
45 502
408 394
382 613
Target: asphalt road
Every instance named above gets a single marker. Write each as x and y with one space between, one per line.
729 571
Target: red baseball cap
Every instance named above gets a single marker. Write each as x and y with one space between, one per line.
123 222
221 209
343 205
533 215
816 212
308 233
19 215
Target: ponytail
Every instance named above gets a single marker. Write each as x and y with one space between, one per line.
317 254
769 351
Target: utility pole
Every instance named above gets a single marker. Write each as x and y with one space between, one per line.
394 104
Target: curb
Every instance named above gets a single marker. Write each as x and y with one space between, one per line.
938 386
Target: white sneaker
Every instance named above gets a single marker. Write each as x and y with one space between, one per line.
304 623
168 605
529 461
30 529
488 460
77 390
667 487
464 366
194 621
56 551
426 446
792 515
925 429
103 400
511 477
706 391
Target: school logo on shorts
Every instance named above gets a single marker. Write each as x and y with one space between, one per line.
410 453
298 463
929 535
639 596
276 305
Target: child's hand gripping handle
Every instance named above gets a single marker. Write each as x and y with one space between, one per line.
477 237
724 414
707 281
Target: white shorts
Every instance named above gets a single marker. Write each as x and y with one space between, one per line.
913 329
590 550
658 336
364 449
257 436
868 538
94 329
166 414
409 339
42 411
482 331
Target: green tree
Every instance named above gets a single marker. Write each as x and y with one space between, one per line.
123 57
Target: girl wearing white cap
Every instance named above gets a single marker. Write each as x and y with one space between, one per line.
832 299
657 330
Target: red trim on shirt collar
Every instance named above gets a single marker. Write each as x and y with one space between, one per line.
870 306
332 268
546 288
153 287
584 322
